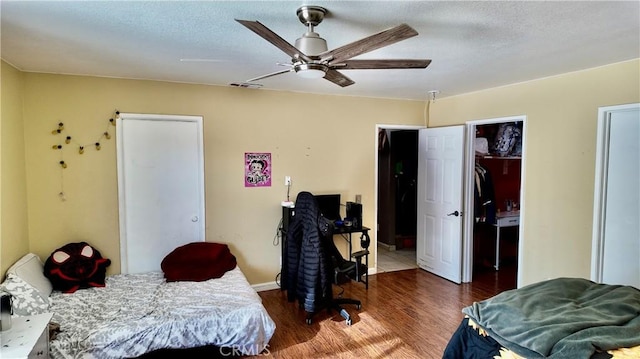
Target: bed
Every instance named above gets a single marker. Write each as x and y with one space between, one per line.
558 318
135 314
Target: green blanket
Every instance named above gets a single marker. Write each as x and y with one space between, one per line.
561 318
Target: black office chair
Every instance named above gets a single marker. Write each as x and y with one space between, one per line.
355 269
312 259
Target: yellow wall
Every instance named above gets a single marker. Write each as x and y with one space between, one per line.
325 143
560 150
14 239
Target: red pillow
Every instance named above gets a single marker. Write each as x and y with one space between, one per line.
75 266
198 262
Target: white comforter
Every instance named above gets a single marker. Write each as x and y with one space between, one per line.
139 313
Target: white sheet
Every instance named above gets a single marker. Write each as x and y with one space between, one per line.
139 313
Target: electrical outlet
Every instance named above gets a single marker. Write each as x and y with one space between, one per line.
287 180
358 198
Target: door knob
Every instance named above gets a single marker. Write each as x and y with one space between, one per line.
194 219
455 213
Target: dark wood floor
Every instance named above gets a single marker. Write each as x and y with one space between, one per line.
404 314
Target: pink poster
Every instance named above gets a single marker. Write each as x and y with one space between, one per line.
257 169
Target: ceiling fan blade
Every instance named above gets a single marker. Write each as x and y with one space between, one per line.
382 64
338 78
273 38
370 43
269 75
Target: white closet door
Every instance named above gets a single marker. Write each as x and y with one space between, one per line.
622 227
161 187
616 243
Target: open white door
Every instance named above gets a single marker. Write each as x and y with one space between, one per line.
440 168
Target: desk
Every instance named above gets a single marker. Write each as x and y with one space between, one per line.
346 233
504 219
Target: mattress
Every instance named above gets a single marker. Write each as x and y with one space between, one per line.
558 318
139 313
471 341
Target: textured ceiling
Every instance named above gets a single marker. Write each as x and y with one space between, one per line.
473 45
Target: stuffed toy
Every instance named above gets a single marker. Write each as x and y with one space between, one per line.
76 266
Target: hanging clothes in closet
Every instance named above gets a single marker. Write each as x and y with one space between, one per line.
484 201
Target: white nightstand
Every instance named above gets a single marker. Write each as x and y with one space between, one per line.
27 338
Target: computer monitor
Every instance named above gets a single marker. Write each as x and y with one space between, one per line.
329 206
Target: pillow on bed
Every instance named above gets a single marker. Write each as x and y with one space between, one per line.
30 269
26 299
198 262
76 266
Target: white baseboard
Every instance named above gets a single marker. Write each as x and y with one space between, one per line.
260 287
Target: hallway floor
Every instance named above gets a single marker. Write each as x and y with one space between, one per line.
389 261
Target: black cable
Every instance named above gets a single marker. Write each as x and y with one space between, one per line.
277 236
276 242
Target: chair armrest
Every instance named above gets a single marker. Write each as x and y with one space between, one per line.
360 254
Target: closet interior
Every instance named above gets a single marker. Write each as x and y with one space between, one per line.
497 177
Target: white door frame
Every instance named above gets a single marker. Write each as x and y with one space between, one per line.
374 241
602 155
467 218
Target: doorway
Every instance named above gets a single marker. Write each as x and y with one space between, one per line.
396 205
385 212
493 200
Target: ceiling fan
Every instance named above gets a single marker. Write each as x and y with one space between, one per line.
311 59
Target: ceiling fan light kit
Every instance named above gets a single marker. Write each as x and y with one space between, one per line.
310 71
310 57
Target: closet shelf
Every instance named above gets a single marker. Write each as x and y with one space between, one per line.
500 157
